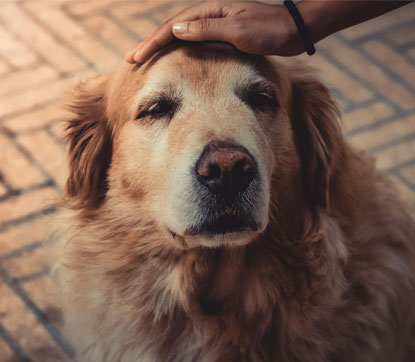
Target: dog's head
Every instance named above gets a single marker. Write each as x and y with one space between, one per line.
203 141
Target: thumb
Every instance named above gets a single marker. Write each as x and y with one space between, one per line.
200 30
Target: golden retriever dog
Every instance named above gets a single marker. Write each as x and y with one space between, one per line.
215 213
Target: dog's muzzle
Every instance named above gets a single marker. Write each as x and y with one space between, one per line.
227 181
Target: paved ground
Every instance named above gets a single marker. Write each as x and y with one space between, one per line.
46 46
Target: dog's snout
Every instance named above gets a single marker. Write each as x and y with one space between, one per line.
225 168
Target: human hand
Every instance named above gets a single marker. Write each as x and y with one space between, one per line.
252 27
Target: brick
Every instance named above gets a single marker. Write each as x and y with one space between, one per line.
405 13
143 27
40 39
392 60
405 193
68 28
45 294
167 12
130 10
391 156
6 353
84 74
75 35
334 76
26 78
13 164
14 51
364 116
106 29
409 173
402 36
34 119
34 97
104 60
3 190
341 104
3 68
27 203
25 234
27 331
411 53
58 130
86 7
27 264
385 134
369 72
48 153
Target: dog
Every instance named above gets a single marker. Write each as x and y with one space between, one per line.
215 213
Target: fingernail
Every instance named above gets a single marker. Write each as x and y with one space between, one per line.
180 27
137 55
129 54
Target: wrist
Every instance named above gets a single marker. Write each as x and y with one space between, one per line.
317 24
302 27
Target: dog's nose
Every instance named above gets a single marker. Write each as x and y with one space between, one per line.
225 168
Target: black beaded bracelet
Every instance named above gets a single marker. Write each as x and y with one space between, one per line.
302 29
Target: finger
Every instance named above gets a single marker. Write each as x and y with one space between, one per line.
151 46
204 29
163 35
129 56
157 40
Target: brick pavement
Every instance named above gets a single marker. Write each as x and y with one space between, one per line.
46 46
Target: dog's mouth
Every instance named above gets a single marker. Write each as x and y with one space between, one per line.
224 224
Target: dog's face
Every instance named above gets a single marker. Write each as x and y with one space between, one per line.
197 138
194 140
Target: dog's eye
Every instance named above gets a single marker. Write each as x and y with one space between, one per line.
160 109
260 101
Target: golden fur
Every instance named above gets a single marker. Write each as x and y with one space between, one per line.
328 276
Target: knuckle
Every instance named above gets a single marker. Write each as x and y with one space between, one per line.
168 21
238 33
155 43
204 26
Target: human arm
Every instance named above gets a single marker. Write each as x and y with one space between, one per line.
259 28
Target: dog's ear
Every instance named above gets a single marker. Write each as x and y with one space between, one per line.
89 138
318 136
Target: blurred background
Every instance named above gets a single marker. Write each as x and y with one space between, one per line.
47 46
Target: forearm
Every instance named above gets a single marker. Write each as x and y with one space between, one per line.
325 17
260 28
